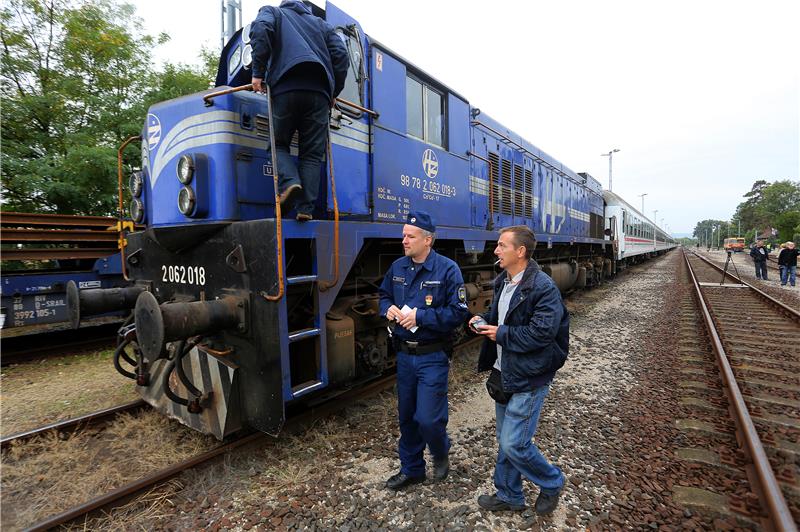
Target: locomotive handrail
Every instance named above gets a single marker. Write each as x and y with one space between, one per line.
208 97
121 223
524 149
330 284
491 194
356 106
278 221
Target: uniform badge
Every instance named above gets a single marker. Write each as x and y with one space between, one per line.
429 299
462 293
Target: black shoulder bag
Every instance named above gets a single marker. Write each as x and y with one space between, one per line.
494 385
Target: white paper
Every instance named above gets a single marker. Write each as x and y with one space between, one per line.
405 310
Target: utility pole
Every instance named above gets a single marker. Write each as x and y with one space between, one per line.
230 19
642 196
610 155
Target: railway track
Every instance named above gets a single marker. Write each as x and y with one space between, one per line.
754 341
296 422
73 424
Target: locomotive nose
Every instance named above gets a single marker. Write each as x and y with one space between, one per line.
158 324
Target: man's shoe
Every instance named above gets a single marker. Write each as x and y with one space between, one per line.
493 504
441 468
545 504
291 192
400 481
303 217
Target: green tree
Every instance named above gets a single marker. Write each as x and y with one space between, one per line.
711 232
765 203
76 81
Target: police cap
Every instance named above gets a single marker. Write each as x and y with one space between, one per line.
422 220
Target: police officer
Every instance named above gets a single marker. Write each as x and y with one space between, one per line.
423 296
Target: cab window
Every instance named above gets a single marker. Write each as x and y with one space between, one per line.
425 112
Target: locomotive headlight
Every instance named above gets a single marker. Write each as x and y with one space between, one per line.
185 169
246 34
135 184
137 210
186 201
247 56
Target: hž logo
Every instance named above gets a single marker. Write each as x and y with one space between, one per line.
153 131
430 164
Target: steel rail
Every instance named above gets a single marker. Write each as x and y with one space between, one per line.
767 297
56 235
31 219
295 424
137 486
73 423
766 484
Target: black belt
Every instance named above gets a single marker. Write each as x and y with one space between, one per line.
420 348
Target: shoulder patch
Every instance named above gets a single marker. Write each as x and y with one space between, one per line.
462 293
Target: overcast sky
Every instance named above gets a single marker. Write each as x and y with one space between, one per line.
701 97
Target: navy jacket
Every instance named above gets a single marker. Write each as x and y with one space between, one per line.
757 255
283 37
535 335
788 257
435 289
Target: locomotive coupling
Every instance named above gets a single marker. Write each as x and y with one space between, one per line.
157 324
98 301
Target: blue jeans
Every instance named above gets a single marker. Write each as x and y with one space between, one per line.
307 113
788 273
518 456
422 409
761 269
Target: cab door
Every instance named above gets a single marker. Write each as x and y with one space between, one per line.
351 143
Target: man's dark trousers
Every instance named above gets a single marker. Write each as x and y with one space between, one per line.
761 269
422 408
306 112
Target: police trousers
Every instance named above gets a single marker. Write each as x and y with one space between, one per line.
422 409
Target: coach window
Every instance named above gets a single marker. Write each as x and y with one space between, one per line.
425 112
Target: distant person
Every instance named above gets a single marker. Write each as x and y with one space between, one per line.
527 341
760 255
787 261
305 63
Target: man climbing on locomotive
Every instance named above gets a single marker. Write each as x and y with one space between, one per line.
304 62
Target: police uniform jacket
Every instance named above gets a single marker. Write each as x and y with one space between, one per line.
435 289
534 336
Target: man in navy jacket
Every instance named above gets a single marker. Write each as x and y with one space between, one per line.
527 340
305 64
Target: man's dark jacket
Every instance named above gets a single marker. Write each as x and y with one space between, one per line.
757 255
788 257
286 36
535 335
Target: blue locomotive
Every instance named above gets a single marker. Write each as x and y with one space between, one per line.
240 313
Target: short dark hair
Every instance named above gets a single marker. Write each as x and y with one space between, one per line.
522 236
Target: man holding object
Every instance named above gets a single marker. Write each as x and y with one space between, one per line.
423 294
527 340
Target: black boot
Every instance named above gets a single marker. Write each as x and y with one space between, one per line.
400 481
441 467
493 504
545 504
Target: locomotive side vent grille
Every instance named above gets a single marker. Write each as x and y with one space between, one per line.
519 191
494 166
528 207
505 187
262 126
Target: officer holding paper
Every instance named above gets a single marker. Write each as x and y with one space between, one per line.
423 293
